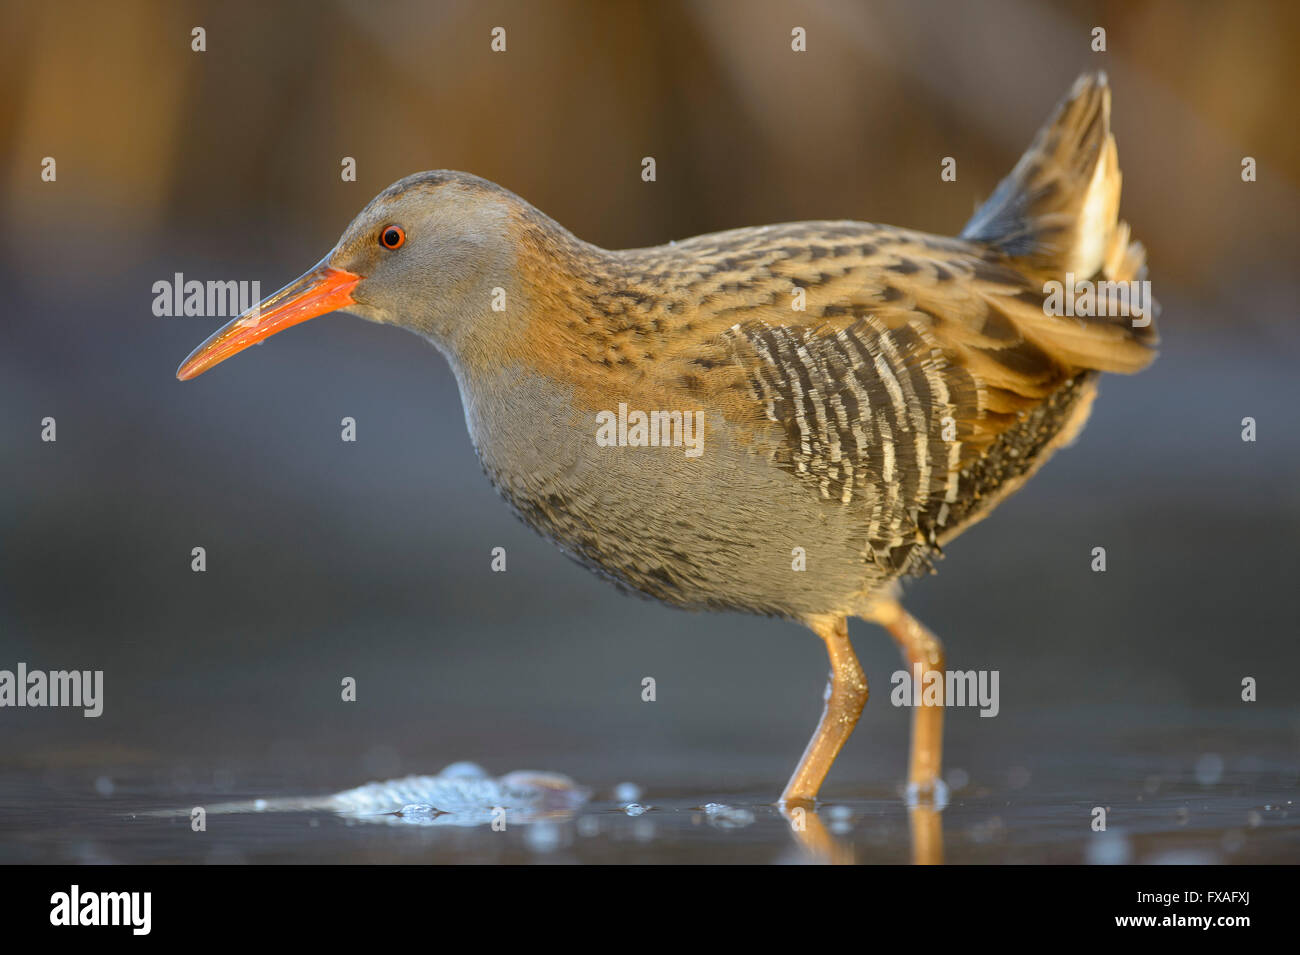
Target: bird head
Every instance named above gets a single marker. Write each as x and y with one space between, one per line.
425 254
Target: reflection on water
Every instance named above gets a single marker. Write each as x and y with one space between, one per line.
548 819
1176 784
464 795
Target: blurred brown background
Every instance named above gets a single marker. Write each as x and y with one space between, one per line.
153 137
370 560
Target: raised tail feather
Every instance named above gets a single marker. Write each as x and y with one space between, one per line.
1057 213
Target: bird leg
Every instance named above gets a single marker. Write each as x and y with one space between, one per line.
814 838
846 695
927 834
921 646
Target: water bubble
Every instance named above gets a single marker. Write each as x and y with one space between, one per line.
958 779
634 809
937 797
104 786
840 819
644 830
990 831
543 837
728 817
464 770
1209 769
627 792
1108 848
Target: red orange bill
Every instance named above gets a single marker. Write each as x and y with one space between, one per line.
323 289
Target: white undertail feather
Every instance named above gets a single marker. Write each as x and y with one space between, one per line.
1057 213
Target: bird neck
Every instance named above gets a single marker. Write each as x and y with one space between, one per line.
540 279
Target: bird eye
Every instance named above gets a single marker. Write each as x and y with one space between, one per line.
392 237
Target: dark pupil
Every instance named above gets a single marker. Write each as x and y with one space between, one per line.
391 237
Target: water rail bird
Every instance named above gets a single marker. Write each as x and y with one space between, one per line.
784 420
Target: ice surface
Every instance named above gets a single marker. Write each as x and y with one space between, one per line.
462 794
